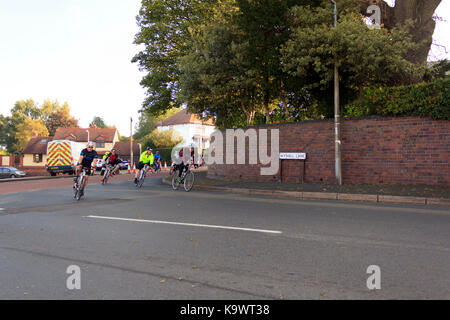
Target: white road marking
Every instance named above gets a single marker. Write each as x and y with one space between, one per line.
2 209
186 224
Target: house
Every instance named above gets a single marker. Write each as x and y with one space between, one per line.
124 148
190 127
104 138
35 152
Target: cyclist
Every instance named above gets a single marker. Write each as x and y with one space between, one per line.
157 161
182 166
88 160
146 157
104 163
113 160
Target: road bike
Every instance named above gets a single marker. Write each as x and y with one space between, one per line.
187 178
142 176
107 173
79 186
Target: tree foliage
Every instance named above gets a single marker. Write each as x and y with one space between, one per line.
165 27
147 122
25 131
50 113
364 57
247 61
162 139
98 122
59 119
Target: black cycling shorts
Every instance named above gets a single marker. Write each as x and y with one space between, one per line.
115 162
140 165
87 168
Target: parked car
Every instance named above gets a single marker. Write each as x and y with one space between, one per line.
99 165
11 172
123 165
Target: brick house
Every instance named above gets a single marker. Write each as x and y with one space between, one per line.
35 152
104 139
190 127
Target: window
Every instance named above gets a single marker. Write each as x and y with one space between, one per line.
100 144
37 157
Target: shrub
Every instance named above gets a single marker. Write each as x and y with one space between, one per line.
429 99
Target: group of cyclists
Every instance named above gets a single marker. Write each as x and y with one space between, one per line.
88 162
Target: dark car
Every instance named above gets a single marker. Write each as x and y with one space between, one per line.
11 172
123 165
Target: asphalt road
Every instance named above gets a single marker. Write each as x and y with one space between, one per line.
156 243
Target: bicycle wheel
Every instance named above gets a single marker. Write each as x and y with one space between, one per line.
141 179
175 182
105 176
189 181
80 188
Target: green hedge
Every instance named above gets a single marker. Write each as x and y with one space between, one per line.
165 154
431 99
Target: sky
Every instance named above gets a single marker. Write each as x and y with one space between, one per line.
80 51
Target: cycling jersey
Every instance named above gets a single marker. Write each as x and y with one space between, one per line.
157 157
147 158
113 159
88 157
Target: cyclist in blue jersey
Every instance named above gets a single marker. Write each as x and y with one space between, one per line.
88 161
157 161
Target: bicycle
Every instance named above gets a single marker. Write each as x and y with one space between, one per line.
79 186
142 176
107 174
187 178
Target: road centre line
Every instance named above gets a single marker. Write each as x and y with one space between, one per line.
186 224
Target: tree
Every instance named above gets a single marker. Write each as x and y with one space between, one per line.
98 122
3 130
147 122
165 27
25 131
420 12
58 119
364 57
162 139
51 113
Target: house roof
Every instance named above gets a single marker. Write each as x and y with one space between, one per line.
80 134
123 148
37 145
183 117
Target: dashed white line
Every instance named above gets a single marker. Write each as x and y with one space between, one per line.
186 224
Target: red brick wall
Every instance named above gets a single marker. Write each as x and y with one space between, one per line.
405 150
33 171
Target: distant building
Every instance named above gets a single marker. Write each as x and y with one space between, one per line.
35 152
190 127
104 139
124 150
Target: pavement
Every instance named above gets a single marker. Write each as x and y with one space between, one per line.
157 243
427 195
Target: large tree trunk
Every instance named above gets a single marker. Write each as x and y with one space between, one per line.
420 11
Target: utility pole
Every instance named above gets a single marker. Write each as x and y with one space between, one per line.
337 117
131 142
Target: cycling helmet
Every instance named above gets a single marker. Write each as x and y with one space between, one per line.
90 144
113 150
149 149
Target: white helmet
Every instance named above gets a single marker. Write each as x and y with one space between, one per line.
90 144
